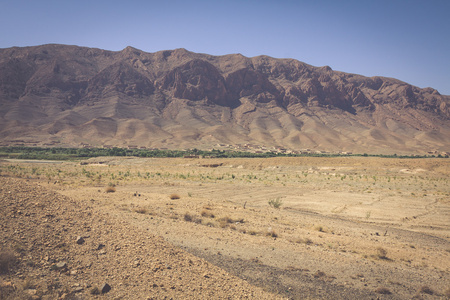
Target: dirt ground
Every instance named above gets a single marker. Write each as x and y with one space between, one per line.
300 228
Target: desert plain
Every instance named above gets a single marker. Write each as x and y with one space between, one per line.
209 228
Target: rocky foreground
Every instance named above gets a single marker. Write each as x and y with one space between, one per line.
53 247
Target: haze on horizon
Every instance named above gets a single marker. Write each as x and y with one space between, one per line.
407 40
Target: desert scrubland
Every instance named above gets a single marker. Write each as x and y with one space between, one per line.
299 228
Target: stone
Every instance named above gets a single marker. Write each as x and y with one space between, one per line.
105 288
80 240
30 292
61 265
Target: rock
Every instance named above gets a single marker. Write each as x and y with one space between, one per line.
30 292
105 288
61 265
78 289
80 240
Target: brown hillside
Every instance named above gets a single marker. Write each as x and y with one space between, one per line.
69 95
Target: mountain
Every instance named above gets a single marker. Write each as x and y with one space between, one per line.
176 99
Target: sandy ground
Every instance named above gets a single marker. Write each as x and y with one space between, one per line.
346 228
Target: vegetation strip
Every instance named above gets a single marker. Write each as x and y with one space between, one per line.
61 153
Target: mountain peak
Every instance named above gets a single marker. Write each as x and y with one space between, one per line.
177 98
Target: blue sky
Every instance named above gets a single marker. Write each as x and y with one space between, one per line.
404 39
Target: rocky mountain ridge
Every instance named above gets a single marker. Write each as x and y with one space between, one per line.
70 95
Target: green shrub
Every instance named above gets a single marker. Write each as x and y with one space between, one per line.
275 203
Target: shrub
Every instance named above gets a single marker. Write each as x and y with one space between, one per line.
226 220
383 290
320 228
188 217
141 210
229 220
381 253
174 196
427 290
7 259
272 233
110 189
306 241
207 214
319 274
223 224
275 203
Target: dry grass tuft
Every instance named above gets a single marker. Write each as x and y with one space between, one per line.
210 224
110 189
188 217
141 210
381 253
226 221
252 232
320 228
207 214
272 233
229 220
174 196
306 241
223 224
319 274
191 218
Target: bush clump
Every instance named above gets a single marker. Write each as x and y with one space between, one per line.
427 290
381 253
275 203
110 189
174 196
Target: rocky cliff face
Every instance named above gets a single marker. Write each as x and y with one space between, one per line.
70 95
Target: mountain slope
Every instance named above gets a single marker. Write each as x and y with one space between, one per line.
69 95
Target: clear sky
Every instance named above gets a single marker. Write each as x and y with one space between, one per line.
405 39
